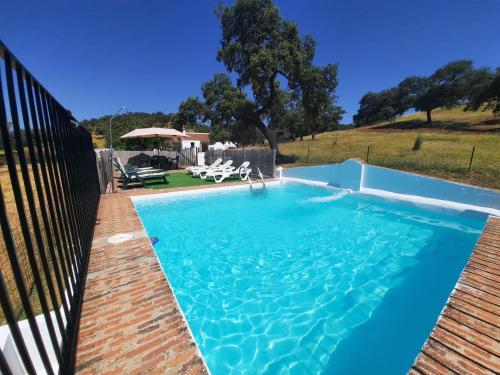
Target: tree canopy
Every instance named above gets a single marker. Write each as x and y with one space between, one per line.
485 91
192 112
458 82
265 50
125 123
279 91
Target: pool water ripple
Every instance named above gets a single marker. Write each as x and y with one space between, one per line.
273 283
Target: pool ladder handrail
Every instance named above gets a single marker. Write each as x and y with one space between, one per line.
249 180
261 178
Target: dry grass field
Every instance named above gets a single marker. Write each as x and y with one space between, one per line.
20 245
445 151
98 140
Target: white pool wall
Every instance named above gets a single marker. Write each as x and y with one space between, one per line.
412 184
358 176
345 175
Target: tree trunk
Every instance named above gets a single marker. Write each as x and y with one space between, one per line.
429 118
270 136
313 135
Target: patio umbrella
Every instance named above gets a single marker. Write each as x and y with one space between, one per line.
154 133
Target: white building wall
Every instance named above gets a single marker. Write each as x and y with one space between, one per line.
190 144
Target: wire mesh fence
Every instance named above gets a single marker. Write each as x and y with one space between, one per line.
467 163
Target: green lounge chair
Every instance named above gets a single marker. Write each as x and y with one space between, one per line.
142 177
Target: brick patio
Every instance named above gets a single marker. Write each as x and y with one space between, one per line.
466 338
131 322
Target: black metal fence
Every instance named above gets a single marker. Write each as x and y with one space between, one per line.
49 195
264 159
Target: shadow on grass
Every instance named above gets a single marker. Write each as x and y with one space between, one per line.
286 159
439 125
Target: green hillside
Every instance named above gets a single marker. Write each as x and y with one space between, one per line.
445 152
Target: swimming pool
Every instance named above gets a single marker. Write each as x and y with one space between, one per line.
302 279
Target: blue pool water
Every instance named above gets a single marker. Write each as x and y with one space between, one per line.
297 279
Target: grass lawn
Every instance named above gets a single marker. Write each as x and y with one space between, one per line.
181 179
445 151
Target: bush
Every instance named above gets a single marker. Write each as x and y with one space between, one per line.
418 143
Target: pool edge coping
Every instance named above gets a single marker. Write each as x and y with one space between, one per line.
239 186
433 203
184 319
416 365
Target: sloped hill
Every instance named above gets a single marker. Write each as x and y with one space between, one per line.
445 152
444 119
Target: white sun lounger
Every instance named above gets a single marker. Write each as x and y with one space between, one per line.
223 167
220 175
202 168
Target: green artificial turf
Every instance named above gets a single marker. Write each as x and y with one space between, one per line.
181 179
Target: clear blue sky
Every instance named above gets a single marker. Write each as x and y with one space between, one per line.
97 55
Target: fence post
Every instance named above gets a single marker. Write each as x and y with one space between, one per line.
368 154
472 157
307 160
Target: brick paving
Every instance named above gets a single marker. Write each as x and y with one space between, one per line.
466 338
131 322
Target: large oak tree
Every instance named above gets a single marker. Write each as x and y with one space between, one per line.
263 50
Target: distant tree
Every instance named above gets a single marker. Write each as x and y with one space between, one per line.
220 134
124 124
317 95
409 90
222 101
447 87
383 106
485 91
201 128
286 117
293 125
191 113
259 46
368 109
330 119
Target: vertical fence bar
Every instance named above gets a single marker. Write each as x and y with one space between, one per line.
32 207
57 218
68 229
19 201
36 172
58 181
61 162
11 321
34 219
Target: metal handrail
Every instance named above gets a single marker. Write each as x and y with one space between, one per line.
261 177
249 180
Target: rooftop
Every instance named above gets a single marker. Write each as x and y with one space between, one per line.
194 136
